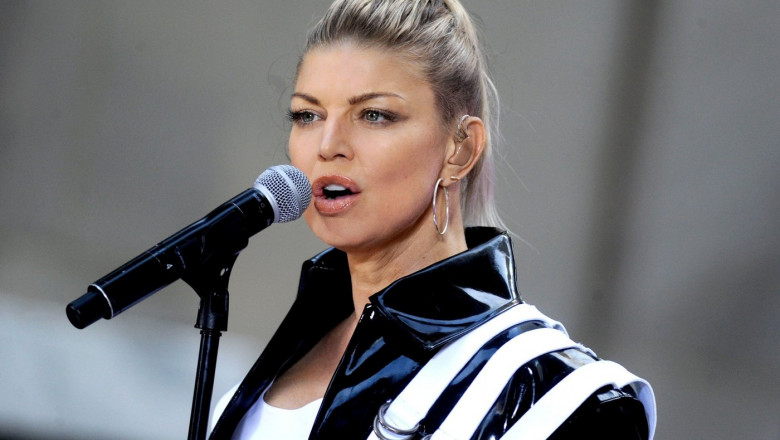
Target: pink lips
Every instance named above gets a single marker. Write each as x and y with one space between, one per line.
324 188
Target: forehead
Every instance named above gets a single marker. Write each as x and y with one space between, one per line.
348 68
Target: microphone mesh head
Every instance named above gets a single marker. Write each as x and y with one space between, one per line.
289 189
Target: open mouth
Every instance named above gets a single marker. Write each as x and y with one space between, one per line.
334 194
334 191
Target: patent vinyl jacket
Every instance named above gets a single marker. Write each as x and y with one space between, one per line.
403 327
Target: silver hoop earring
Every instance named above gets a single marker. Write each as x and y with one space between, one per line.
446 207
461 134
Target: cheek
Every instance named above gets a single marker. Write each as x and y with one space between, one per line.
414 164
299 158
407 184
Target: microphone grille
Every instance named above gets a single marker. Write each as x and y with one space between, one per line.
289 190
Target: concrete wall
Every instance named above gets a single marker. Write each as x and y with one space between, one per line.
640 173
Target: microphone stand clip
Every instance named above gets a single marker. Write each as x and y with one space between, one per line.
210 282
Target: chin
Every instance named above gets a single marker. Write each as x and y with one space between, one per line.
339 234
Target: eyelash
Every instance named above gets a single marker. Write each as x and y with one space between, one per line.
296 117
388 116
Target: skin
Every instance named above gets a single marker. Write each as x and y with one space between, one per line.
366 119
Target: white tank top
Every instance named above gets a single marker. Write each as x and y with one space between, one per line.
263 421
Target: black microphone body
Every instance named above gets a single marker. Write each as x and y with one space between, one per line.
222 233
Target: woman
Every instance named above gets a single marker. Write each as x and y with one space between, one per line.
391 123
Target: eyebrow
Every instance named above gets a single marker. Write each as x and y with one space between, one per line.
373 95
353 100
306 97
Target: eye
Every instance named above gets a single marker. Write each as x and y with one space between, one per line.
378 116
302 117
373 116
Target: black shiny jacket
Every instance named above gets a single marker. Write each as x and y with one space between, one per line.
402 328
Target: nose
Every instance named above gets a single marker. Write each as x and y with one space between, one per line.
335 141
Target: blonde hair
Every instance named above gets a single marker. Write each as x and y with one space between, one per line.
439 37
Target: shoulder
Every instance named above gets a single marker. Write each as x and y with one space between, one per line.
609 414
571 394
530 377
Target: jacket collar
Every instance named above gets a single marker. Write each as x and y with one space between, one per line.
434 305
420 312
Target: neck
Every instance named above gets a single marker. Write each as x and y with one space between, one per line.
373 270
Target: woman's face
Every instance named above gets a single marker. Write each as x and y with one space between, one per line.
366 131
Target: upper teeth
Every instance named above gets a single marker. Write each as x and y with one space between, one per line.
334 187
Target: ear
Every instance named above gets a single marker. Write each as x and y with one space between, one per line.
464 153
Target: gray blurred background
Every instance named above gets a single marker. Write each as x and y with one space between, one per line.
641 174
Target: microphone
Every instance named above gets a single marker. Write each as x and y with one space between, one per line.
280 194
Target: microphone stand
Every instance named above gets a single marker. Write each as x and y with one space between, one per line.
210 282
205 253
